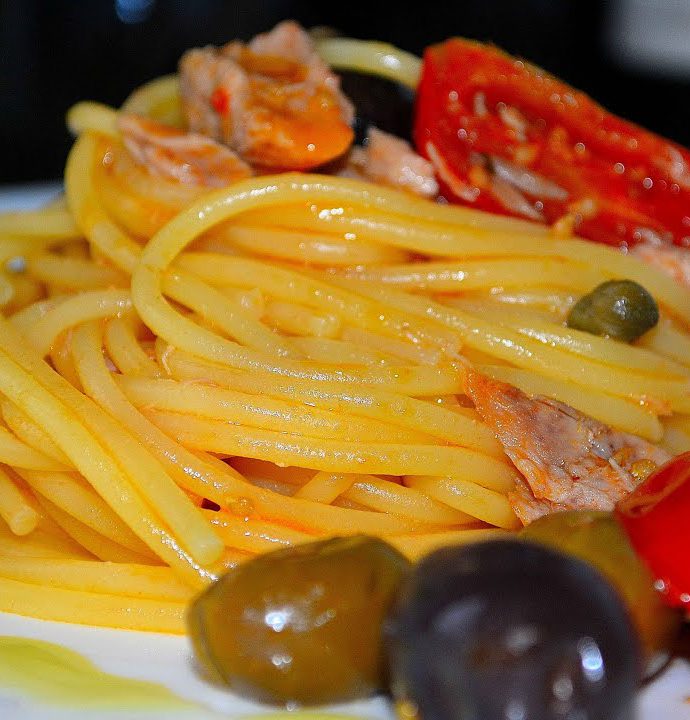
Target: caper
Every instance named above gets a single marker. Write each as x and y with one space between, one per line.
301 625
621 309
598 538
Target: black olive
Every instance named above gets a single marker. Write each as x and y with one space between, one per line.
301 625
379 102
511 630
621 309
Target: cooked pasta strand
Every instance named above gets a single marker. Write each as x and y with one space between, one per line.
158 98
231 317
325 487
261 412
91 608
255 536
128 580
343 397
470 498
292 348
21 518
152 480
76 498
328 455
372 57
25 380
387 496
40 545
482 274
16 453
297 320
74 273
92 540
81 308
93 117
49 222
326 250
313 292
126 352
33 434
340 352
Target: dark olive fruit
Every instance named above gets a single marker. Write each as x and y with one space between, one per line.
513 630
621 309
379 102
598 538
301 625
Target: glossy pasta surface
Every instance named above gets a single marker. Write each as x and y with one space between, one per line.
191 377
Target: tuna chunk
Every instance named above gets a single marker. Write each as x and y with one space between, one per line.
391 161
569 460
274 100
176 155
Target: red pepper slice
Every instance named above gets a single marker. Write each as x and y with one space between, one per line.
656 517
481 112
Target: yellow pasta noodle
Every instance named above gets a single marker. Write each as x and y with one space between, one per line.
326 250
244 409
81 446
190 377
41 545
470 498
21 518
20 455
74 273
330 455
126 352
129 580
33 434
294 319
91 608
350 398
75 497
416 545
96 543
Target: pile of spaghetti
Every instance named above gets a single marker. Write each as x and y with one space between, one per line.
191 377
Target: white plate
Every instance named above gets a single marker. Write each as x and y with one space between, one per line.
25 197
163 659
168 660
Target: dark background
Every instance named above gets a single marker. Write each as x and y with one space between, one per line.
54 53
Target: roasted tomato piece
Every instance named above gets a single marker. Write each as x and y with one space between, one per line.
507 137
656 517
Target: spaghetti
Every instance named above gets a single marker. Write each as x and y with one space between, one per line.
288 350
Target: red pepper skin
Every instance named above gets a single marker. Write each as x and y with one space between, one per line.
656 517
637 180
220 100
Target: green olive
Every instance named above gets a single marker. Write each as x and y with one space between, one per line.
621 309
301 625
598 538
